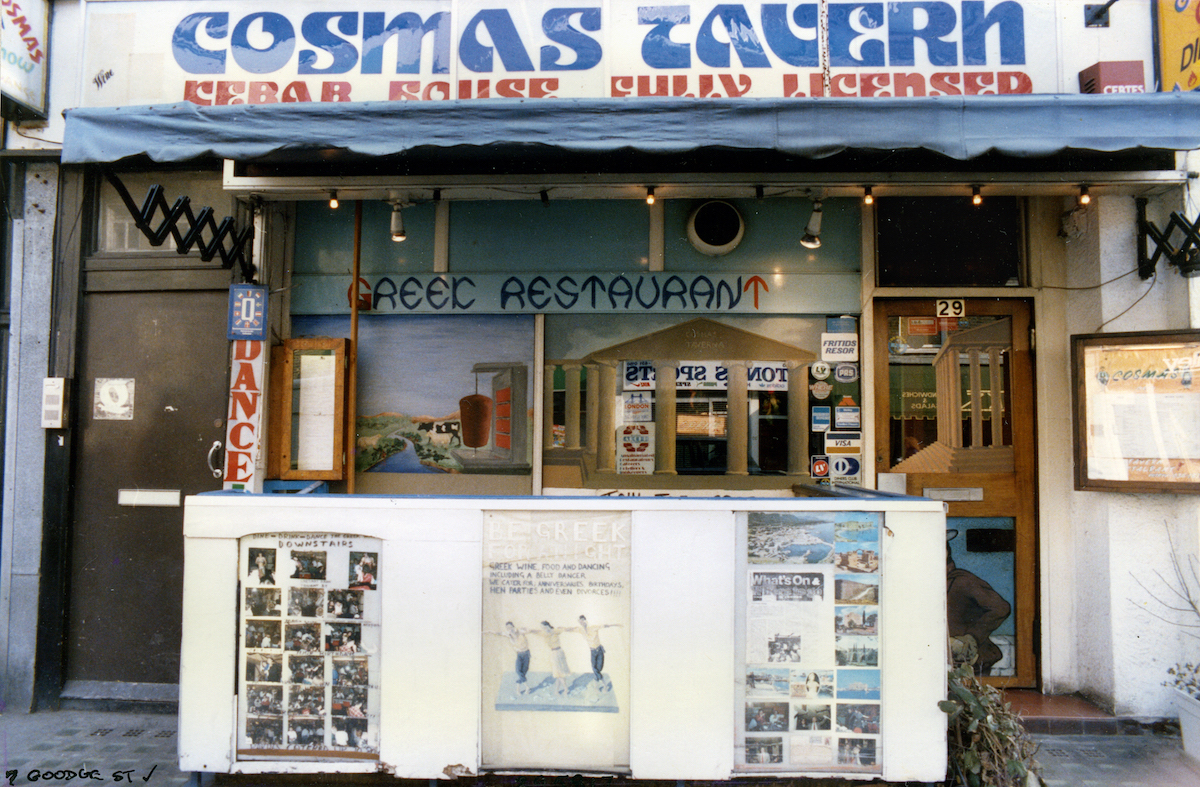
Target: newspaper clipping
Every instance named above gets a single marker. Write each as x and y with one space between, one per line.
810 696
556 619
309 683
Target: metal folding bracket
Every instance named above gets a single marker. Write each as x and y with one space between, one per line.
1186 257
187 228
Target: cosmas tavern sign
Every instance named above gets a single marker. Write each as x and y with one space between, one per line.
230 53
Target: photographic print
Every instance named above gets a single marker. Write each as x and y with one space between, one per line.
856 651
265 733
343 637
262 567
765 750
306 733
306 701
305 602
306 670
789 538
345 604
812 717
308 565
350 671
858 684
262 602
262 634
785 647
856 620
766 717
302 637
349 701
857 752
264 668
264 700
812 685
858 718
856 589
768 681
350 733
364 569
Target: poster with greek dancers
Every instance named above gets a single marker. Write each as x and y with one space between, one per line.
556 616
808 694
308 686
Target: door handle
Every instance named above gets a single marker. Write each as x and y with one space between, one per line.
212 458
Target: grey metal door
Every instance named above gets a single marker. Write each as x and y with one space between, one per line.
152 383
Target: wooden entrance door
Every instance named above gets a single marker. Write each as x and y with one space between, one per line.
956 417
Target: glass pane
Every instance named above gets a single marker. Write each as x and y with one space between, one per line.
981 592
950 387
117 229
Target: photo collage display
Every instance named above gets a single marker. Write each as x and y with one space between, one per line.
309 628
810 700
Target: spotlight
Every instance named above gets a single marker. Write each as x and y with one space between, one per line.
1084 197
398 233
333 200
976 197
812 231
649 195
868 197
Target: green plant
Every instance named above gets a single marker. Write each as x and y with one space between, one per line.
988 747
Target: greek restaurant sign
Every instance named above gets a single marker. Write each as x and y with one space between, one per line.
597 293
223 52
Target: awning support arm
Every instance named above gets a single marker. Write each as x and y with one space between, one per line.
173 216
1186 258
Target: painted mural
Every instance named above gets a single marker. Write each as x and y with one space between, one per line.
439 394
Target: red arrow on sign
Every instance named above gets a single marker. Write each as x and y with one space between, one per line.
757 281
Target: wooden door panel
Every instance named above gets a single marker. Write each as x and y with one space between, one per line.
956 415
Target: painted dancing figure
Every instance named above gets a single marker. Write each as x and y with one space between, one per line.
592 635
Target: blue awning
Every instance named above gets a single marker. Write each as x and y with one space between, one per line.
961 128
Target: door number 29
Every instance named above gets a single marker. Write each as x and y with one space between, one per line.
951 307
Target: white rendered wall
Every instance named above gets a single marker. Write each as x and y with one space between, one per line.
1102 634
683 620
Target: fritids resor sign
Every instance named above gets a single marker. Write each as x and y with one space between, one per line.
222 52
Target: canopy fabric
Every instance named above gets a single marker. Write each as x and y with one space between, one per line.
958 127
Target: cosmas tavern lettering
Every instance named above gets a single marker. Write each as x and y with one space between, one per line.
755 38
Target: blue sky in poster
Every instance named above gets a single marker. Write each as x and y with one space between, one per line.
421 365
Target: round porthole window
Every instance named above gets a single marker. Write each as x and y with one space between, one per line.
715 228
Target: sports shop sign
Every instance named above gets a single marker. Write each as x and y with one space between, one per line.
431 50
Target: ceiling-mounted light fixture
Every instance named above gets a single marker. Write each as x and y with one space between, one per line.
1084 197
398 233
868 197
976 197
812 230
333 200
649 195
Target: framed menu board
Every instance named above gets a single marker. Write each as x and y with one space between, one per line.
1137 411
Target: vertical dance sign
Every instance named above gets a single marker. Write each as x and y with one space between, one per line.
556 617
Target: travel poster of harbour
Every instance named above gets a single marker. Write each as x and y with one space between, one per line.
811 696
